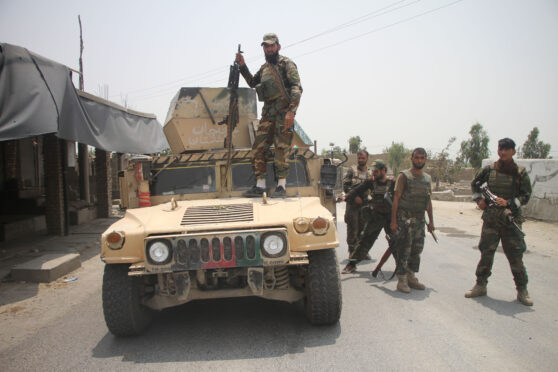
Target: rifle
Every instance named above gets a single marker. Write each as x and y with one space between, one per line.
231 120
490 197
392 241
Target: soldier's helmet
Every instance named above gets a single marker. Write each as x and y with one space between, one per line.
270 39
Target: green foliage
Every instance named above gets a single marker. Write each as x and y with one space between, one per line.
475 149
397 156
337 152
354 144
533 148
444 168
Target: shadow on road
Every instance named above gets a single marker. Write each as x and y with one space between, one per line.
228 329
501 307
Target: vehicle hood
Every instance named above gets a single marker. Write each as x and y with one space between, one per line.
229 213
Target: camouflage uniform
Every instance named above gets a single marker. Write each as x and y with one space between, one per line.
416 191
277 101
352 179
374 217
496 227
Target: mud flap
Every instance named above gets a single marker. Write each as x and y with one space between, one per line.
255 280
182 284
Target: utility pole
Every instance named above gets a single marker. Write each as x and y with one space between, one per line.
83 153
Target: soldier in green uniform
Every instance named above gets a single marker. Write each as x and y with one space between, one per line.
511 184
413 189
278 85
354 177
375 216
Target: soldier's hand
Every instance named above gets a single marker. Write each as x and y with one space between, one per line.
240 59
431 226
357 200
393 226
289 119
501 202
482 204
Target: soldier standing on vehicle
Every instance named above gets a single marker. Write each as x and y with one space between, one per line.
354 177
512 188
375 216
277 84
413 189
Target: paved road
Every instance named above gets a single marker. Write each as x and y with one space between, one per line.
380 329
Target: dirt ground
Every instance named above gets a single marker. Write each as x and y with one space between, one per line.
26 307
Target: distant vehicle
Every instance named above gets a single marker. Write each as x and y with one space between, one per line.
188 234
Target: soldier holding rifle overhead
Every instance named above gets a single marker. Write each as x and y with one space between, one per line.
277 84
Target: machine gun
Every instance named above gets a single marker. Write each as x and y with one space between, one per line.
490 197
231 120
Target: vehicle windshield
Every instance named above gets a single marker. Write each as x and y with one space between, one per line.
184 180
243 177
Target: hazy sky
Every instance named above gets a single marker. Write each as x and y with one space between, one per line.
411 71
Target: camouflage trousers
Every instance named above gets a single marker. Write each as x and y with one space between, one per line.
410 243
372 224
271 131
352 219
513 245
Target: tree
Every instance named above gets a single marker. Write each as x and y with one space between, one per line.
474 150
443 164
337 151
534 149
354 144
396 156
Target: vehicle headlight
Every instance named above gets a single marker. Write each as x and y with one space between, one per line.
320 225
159 251
273 244
301 224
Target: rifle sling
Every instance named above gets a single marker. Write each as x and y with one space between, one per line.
280 82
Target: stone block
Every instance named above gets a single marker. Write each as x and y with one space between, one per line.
46 268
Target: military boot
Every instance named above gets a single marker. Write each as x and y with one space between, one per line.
402 283
477 291
414 282
523 297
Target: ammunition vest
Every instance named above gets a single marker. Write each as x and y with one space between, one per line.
269 89
359 176
502 185
416 195
378 202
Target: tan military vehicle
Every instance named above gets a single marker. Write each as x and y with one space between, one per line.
188 234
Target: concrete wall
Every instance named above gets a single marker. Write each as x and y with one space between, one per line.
544 180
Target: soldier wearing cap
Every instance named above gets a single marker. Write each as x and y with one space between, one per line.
375 216
277 84
511 184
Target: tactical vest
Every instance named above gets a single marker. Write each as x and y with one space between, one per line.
502 185
359 176
416 195
378 201
269 89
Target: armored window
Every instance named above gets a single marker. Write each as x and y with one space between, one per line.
243 176
184 180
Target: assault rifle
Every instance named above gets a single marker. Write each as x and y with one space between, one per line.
231 120
490 197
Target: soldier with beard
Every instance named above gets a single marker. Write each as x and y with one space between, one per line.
278 85
512 187
411 199
353 178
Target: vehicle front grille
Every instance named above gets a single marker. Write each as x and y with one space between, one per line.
238 250
218 214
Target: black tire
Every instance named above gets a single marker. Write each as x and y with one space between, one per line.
323 300
124 313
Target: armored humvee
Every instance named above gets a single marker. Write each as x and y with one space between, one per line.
188 234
